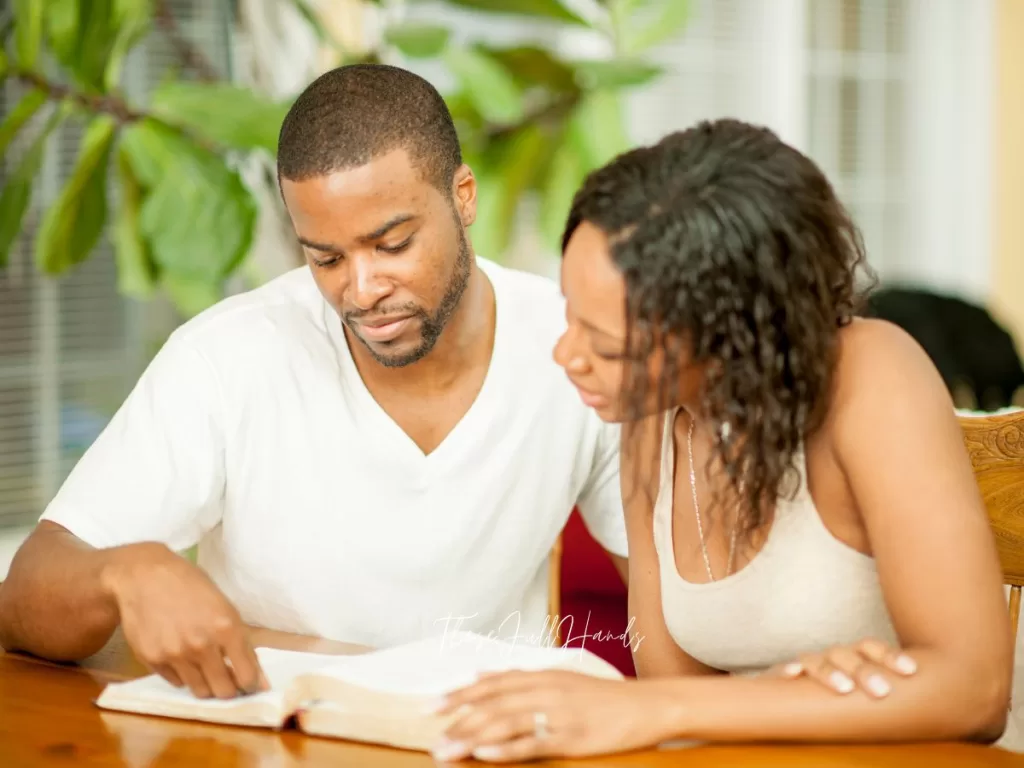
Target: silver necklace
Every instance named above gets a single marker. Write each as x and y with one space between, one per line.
696 509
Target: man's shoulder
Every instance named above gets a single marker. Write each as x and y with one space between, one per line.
535 300
289 303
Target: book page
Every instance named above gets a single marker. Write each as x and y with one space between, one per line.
280 667
437 665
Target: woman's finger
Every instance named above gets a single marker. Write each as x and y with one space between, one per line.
491 720
885 655
864 673
819 667
516 751
489 687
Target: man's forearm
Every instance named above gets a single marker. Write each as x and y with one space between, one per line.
937 703
53 603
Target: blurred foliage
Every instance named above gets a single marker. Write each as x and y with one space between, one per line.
531 123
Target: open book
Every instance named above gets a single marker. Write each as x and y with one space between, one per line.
380 697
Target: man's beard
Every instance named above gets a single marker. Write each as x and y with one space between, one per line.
432 325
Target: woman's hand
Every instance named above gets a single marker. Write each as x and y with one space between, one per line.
515 716
867 665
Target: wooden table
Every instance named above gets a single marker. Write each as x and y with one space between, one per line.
47 718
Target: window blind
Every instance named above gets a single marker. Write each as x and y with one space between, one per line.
857 72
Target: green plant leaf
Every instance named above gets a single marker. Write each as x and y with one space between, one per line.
511 166
223 113
616 73
3 62
136 272
191 296
198 217
548 9
564 177
72 226
597 128
664 23
17 117
418 41
62 17
17 193
85 34
490 87
149 146
28 31
97 35
534 66
132 19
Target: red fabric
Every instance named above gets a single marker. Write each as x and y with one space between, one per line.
593 598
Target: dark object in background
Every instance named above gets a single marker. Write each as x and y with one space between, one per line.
975 355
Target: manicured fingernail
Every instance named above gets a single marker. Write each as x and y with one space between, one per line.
878 685
450 750
432 706
793 669
906 665
841 682
487 753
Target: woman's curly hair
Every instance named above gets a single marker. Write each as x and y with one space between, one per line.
734 244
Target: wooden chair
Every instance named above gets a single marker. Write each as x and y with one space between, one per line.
996 447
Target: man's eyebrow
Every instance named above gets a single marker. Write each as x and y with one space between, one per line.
319 246
378 233
386 227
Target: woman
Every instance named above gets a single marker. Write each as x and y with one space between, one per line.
796 485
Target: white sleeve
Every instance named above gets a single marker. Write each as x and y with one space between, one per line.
156 472
600 502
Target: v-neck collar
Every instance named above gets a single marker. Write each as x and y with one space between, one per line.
379 427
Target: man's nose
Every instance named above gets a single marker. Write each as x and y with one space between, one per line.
368 286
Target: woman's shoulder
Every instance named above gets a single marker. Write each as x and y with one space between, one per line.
882 372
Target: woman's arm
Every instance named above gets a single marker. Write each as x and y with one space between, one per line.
896 436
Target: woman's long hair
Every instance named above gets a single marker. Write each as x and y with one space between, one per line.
737 253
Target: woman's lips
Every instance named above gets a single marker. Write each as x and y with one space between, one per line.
591 399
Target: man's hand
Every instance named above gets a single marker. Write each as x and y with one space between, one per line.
180 625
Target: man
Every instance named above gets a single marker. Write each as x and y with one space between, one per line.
372 448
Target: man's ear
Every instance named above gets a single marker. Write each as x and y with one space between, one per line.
464 190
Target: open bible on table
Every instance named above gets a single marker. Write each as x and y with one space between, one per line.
380 697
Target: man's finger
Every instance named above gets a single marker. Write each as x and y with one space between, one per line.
192 677
217 674
168 674
244 665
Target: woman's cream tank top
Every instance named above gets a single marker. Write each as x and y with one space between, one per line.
805 591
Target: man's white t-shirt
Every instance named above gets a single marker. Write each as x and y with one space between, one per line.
252 434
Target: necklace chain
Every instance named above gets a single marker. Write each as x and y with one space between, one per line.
696 509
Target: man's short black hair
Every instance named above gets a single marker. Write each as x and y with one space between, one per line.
352 114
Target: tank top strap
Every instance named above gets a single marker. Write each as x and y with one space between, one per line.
666 481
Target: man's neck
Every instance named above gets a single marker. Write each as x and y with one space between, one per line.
467 339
